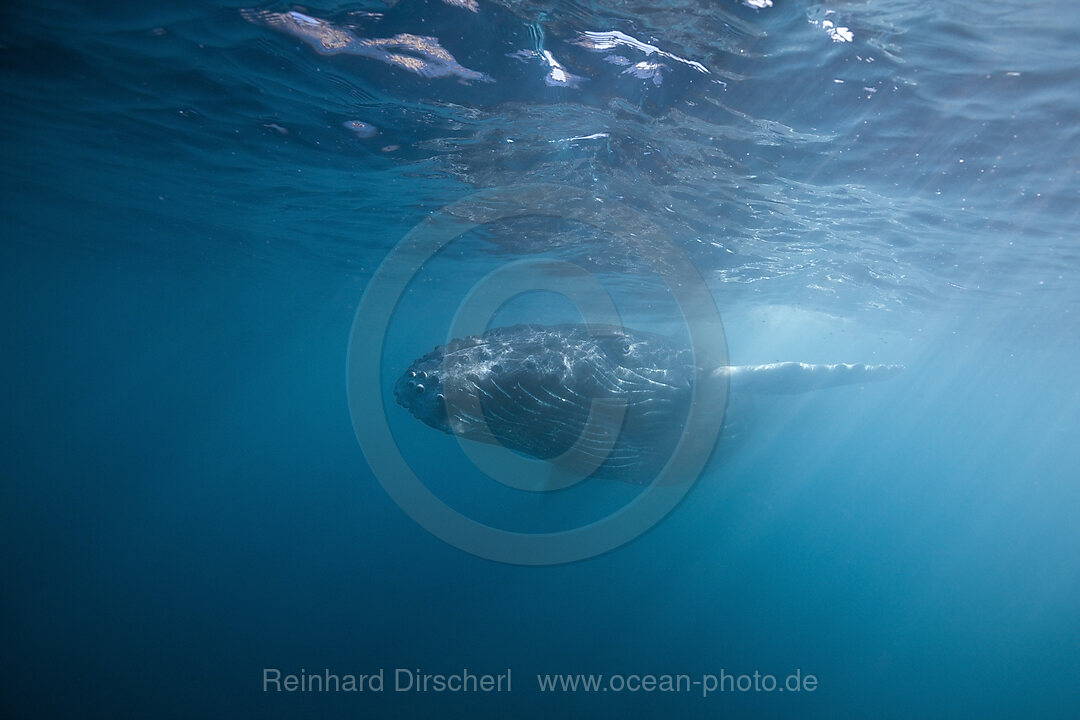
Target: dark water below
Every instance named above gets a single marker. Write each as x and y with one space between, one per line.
196 196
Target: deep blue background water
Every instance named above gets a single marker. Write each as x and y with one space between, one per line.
187 229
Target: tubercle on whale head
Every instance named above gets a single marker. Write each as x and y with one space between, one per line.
420 391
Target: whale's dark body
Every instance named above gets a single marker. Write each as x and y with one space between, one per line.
531 388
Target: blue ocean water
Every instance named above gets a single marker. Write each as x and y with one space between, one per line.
197 195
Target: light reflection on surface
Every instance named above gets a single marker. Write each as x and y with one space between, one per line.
417 54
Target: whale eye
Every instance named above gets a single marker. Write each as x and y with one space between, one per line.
626 349
419 389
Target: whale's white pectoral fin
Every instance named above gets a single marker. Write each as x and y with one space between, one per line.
787 378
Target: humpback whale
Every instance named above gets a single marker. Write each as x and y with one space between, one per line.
610 399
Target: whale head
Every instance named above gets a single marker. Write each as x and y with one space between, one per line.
420 391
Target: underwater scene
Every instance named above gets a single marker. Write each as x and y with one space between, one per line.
540 358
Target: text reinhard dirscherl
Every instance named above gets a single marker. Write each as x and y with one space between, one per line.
402 680
466 681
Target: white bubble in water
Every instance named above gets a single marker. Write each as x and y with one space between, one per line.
361 128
